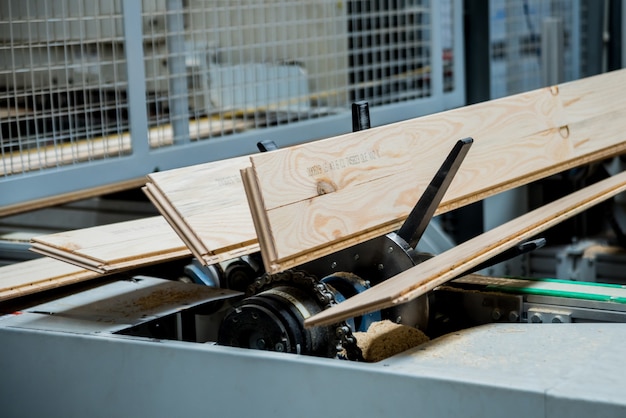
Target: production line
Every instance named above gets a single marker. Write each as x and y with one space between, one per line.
244 336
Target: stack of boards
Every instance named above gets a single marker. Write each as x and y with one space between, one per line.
313 199
206 205
214 226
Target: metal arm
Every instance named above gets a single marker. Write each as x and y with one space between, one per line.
414 226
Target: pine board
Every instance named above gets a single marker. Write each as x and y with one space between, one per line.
434 272
206 205
37 275
323 196
114 247
209 216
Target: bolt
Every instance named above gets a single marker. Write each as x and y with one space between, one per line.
536 318
557 319
260 344
398 319
496 314
513 316
356 257
333 265
380 267
279 347
390 250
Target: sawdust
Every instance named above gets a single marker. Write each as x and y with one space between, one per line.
159 297
385 338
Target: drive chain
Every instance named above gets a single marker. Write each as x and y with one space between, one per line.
343 339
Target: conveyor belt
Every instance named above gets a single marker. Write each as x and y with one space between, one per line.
550 287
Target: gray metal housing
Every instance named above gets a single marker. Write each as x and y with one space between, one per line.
513 370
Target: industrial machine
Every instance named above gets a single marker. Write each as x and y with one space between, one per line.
180 338
144 345
229 340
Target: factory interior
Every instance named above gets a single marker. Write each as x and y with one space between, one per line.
248 207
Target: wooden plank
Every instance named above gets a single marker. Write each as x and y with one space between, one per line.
327 195
114 247
209 215
254 198
433 272
172 217
206 205
28 277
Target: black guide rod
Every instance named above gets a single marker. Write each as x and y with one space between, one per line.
415 224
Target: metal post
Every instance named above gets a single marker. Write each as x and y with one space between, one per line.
552 39
178 96
136 73
360 116
623 36
477 50
436 49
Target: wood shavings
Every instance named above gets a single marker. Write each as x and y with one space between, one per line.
384 339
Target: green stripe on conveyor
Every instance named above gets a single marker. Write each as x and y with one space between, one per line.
550 287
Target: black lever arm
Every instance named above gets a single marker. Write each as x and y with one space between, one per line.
415 224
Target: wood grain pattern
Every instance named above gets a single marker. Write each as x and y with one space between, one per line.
209 214
424 277
256 209
206 205
37 275
371 179
114 247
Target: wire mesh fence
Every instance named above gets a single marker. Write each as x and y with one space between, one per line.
62 83
211 68
516 30
91 82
